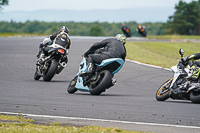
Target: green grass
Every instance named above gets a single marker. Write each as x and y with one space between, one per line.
18 124
173 37
164 54
19 34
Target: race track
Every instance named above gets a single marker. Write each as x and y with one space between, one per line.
131 99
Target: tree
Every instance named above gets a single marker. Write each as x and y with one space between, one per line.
186 18
96 31
3 2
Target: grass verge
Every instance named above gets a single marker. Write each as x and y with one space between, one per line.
19 124
164 54
20 34
173 37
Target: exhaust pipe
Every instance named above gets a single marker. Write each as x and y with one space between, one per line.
61 66
114 81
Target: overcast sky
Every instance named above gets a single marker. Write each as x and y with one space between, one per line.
32 5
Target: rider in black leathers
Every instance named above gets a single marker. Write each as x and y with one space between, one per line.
126 30
111 48
60 38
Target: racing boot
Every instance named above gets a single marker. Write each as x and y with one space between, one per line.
90 68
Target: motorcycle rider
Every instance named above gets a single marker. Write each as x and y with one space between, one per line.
140 28
126 30
111 48
195 68
61 38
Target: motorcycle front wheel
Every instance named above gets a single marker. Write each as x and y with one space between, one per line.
162 93
36 76
51 71
71 87
195 96
102 82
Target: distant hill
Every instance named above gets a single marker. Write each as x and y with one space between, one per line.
158 14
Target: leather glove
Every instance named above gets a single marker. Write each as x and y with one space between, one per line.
86 54
184 60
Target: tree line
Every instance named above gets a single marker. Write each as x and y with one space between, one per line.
185 21
78 28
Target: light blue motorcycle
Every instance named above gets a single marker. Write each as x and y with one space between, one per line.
103 80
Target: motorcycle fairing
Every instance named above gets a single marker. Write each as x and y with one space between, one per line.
79 85
109 61
83 68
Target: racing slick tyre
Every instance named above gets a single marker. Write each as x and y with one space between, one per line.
51 71
102 82
162 93
36 75
195 96
71 87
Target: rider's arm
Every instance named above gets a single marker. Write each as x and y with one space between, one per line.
96 46
46 40
193 57
69 44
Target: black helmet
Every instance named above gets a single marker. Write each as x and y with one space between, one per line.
64 29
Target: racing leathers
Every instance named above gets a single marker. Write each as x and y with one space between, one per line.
126 31
61 39
194 68
111 48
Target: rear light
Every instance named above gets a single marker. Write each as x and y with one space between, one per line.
61 51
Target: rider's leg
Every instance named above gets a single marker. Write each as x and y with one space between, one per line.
43 53
94 58
195 71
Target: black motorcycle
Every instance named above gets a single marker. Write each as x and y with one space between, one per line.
142 31
181 86
53 64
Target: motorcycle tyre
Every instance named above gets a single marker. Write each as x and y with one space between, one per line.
195 97
105 80
71 88
36 76
165 96
52 70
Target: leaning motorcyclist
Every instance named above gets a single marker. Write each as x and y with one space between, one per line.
61 38
126 30
111 48
194 68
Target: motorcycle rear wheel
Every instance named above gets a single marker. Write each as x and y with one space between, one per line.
71 87
195 96
104 79
162 93
51 71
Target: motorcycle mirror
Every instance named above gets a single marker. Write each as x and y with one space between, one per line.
181 52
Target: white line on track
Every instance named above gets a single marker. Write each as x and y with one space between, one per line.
137 62
101 120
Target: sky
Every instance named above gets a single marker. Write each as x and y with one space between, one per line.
89 10
33 5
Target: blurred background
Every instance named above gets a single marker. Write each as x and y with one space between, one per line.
100 17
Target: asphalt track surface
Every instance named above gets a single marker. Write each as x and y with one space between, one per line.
130 104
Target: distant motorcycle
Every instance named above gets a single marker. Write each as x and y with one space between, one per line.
104 71
53 63
180 86
142 31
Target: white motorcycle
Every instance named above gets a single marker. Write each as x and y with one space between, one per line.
53 63
180 86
